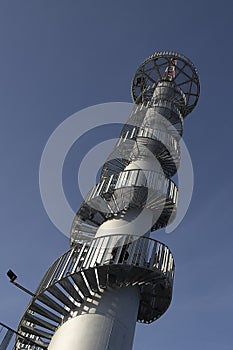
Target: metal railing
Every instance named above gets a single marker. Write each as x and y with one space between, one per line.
7 340
133 250
153 180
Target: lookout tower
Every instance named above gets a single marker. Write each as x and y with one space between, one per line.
115 274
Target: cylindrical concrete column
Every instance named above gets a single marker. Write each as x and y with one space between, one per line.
134 222
104 322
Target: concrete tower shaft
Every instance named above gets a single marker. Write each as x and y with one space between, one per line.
115 274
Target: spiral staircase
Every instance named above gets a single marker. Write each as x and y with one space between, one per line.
165 89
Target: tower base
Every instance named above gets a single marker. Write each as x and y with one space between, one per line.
104 322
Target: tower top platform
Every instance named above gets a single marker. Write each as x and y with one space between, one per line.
172 67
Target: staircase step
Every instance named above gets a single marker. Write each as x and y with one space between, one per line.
124 274
52 304
35 331
32 342
44 312
81 284
39 322
149 277
57 293
91 278
68 286
103 276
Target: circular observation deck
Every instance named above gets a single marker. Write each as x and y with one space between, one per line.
108 261
151 72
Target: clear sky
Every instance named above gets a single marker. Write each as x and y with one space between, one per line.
57 57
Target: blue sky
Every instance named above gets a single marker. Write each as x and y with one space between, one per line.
58 57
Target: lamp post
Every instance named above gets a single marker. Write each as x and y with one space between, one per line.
12 276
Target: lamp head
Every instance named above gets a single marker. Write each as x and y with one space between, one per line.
12 276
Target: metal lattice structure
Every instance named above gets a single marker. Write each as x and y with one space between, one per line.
165 89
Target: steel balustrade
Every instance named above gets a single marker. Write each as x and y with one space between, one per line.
148 263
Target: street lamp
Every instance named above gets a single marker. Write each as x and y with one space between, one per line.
12 276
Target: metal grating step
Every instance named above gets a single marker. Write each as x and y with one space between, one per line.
52 304
57 293
149 276
123 274
81 284
103 276
39 322
30 344
69 288
91 278
136 276
35 331
44 312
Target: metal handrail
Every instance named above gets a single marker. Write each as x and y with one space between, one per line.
124 179
31 345
143 252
